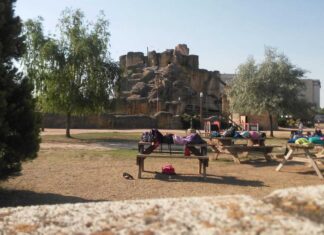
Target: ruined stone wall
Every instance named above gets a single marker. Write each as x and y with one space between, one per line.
170 77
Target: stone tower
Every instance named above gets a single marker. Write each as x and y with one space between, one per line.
169 81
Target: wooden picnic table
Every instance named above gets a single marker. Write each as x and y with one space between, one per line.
197 151
226 141
201 148
226 145
320 150
310 157
203 161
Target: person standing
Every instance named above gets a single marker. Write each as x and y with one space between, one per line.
301 127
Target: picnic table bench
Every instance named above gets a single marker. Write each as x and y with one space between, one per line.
226 145
310 157
231 140
320 150
203 161
201 148
200 153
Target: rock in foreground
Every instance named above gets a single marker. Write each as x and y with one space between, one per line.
289 211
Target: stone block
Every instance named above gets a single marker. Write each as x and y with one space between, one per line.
135 59
181 49
166 58
141 89
153 59
193 61
148 75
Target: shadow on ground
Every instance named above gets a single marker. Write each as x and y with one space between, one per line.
13 198
212 179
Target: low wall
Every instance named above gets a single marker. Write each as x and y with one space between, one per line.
288 211
110 122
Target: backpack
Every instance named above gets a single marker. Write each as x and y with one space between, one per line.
168 169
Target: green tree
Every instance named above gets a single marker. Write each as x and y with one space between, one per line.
19 129
271 87
72 73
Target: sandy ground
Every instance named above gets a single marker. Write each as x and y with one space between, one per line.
64 173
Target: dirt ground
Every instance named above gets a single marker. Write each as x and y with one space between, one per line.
65 173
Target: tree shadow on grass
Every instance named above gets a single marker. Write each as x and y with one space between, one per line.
102 139
310 171
211 179
13 198
260 162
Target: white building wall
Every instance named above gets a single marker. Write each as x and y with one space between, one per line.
312 91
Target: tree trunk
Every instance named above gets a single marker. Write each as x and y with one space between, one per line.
271 126
68 125
42 122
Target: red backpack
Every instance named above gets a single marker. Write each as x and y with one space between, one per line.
168 169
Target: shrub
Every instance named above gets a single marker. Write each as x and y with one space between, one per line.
19 123
188 120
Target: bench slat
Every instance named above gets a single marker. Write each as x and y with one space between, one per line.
171 156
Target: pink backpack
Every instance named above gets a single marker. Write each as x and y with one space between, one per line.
168 169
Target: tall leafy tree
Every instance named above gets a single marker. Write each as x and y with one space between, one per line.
73 72
271 87
19 129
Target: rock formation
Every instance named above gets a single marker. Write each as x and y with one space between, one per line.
168 81
286 211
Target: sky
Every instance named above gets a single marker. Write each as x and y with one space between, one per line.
223 33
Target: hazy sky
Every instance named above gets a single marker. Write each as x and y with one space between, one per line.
222 32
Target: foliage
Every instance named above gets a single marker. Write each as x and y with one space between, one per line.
72 72
19 129
271 87
282 121
190 121
320 111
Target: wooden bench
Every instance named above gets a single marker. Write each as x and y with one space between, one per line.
203 161
201 148
235 150
310 157
320 150
231 141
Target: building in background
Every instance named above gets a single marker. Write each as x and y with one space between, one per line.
312 91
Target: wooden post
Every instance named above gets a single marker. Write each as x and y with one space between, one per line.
140 167
236 157
285 159
311 160
204 168
143 159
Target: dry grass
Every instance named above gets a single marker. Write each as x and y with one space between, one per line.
62 175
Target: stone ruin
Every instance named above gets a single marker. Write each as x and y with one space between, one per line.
154 90
170 81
